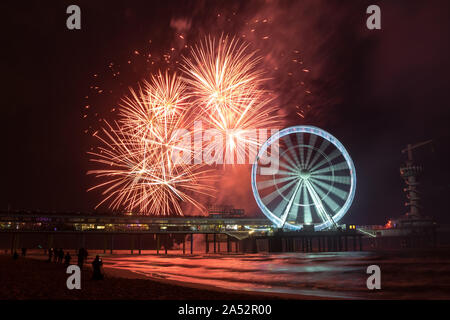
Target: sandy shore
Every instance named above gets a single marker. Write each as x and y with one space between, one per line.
35 279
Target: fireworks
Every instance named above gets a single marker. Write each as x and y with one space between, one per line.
142 162
157 110
226 83
145 169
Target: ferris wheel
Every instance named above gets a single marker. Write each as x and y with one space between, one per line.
308 179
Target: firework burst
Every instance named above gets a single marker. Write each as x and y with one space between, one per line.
146 169
226 83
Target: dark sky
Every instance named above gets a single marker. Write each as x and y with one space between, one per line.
376 91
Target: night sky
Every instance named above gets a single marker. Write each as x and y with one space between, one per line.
375 90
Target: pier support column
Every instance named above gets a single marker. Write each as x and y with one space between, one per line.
49 241
157 243
206 243
214 239
354 243
105 240
13 243
112 244
345 243
166 236
192 243
319 244
360 243
132 243
184 244
139 244
228 244
18 244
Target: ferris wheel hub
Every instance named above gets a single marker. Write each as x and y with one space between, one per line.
304 174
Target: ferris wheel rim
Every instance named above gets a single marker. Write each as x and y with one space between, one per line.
324 135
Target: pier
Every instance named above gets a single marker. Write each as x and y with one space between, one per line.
162 234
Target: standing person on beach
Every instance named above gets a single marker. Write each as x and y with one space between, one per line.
60 256
96 266
50 252
67 259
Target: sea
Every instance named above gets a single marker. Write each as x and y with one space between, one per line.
415 274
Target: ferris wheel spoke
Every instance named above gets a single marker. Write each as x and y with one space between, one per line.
287 173
271 182
333 155
317 203
301 140
291 150
335 167
342 194
312 143
293 166
327 200
323 146
294 195
272 196
336 179
307 218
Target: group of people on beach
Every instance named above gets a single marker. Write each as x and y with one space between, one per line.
57 255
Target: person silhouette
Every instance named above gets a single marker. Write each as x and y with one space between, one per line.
15 255
67 259
60 256
50 253
96 266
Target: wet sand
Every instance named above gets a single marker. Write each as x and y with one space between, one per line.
25 279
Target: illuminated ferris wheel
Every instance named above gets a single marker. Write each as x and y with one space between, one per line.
308 178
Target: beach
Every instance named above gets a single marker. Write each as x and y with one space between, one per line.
25 279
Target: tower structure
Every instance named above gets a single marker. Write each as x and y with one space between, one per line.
410 173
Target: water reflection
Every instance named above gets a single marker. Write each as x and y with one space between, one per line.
341 275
